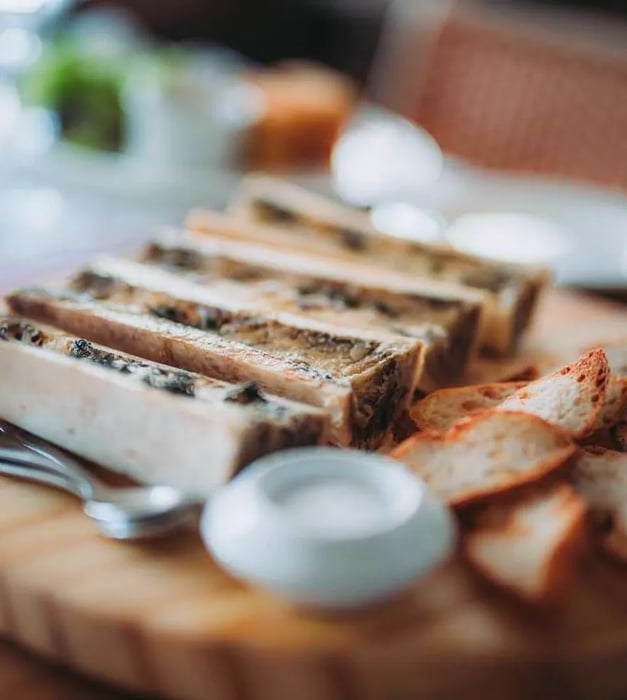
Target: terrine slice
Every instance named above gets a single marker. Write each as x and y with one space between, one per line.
140 418
313 222
363 382
446 317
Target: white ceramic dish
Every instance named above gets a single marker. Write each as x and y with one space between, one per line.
328 527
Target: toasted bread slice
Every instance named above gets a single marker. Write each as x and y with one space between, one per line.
439 411
614 407
600 477
528 545
316 223
490 453
143 419
570 398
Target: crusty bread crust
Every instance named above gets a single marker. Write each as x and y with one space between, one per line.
583 398
491 453
616 353
570 398
600 477
439 411
614 407
529 544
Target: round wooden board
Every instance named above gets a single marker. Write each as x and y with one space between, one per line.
162 618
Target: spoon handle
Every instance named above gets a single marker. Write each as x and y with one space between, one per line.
38 453
25 469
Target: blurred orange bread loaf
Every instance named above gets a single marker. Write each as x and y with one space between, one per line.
303 107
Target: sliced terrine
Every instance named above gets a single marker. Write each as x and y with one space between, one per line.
446 317
312 222
363 381
143 419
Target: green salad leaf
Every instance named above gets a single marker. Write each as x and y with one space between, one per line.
84 89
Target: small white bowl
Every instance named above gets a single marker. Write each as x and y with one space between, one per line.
328 527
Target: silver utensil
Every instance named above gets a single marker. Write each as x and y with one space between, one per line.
121 513
321 557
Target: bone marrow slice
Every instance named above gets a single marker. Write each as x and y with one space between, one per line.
446 318
363 383
143 419
311 222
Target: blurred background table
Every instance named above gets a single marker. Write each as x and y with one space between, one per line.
522 88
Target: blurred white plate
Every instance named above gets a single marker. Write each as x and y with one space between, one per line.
393 165
590 221
583 229
119 176
579 231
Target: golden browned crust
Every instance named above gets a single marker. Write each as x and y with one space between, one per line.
600 477
571 397
529 544
484 455
439 411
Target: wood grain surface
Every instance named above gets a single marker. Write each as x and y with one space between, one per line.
24 676
163 619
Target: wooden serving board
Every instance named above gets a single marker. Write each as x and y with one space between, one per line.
162 618
25 676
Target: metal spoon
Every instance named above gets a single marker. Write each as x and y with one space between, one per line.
120 513
318 555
